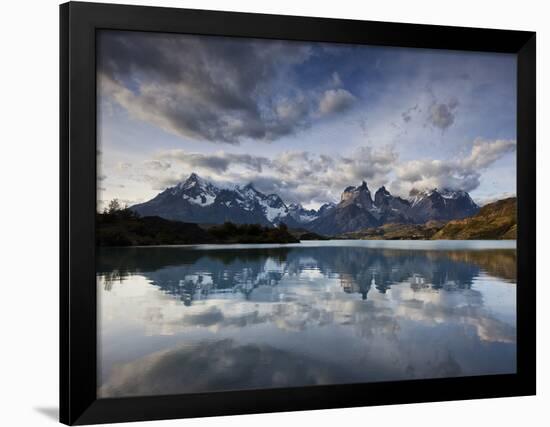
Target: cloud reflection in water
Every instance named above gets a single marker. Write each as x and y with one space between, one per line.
176 320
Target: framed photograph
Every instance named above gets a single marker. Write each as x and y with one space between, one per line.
268 213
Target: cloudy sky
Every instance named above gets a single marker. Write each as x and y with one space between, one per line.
304 120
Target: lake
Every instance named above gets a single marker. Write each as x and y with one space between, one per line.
185 319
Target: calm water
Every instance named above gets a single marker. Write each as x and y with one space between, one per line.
224 317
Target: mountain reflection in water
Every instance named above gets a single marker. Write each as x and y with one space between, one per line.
193 319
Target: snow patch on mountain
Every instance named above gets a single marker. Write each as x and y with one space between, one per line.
302 215
451 194
272 213
205 199
308 217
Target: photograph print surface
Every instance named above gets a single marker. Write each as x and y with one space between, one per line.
284 214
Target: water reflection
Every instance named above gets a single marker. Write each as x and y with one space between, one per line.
193 274
176 320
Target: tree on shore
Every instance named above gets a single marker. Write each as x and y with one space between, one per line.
113 207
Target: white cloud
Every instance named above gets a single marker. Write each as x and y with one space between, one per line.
459 173
297 176
312 179
336 101
157 165
123 166
484 152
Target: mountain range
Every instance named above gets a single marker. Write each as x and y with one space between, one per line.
197 200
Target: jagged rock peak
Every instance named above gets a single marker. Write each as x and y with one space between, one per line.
359 195
191 180
381 196
383 190
247 187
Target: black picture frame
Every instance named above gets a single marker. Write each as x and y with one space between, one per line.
78 25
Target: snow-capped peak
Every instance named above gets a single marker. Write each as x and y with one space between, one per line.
271 205
446 194
197 190
248 191
452 194
301 214
416 196
192 181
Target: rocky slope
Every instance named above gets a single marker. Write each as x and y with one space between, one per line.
441 205
397 232
493 221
